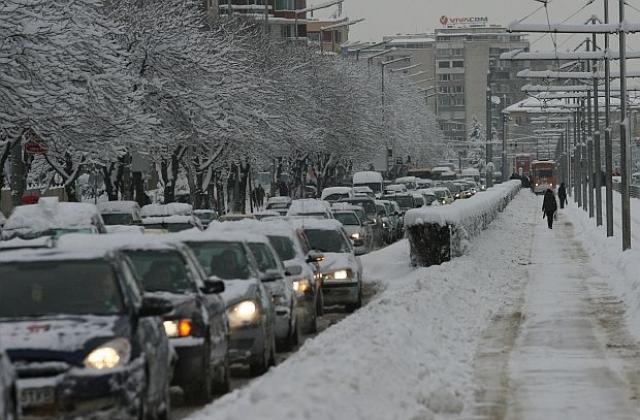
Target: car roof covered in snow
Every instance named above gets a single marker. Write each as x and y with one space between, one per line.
118 207
308 205
177 219
52 254
336 190
164 210
209 236
79 241
275 227
329 224
279 199
49 213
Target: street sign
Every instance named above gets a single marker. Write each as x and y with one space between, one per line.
34 144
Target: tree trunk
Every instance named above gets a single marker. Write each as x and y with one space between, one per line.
70 184
139 194
110 187
18 174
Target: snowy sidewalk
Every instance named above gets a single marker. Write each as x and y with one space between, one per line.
570 355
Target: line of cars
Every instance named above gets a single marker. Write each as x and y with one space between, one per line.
101 325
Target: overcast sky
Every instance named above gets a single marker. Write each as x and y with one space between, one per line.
388 17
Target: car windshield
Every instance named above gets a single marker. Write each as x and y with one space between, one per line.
544 173
368 205
161 271
313 215
336 197
277 206
430 199
347 219
170 227
225 260
403 201
117 219
284 247
29 289
439 194
264 256
325 240
375 186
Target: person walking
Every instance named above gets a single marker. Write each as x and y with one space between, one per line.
562 195
549 207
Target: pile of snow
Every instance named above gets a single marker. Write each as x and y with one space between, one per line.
409 353
467 218
164 210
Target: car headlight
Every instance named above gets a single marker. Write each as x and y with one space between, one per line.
243 313
355 236
112 354
301 286
178 328
338 275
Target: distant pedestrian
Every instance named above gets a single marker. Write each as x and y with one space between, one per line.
549 207
260 195
562 195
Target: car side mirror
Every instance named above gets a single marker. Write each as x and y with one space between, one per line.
155 306
293 270
212 287
270 276
315 257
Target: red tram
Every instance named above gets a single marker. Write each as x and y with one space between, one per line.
543 175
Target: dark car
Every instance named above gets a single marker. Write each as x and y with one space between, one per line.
250 311
9 409
197 326
83 340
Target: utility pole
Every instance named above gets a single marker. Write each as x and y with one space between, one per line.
589 161
596 134
625 152
489 137
505 126
608 144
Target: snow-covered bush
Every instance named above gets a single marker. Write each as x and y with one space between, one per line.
437 234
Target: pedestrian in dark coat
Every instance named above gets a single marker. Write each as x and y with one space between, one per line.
549 207
562 195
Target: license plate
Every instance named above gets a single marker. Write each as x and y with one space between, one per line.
30 397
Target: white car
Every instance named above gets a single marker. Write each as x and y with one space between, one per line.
363 190
341 269
333 194
173 217
49 217
120 213
395 189
279 204
309 207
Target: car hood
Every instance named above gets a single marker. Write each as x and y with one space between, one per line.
59 338
238 290
334 261
183 304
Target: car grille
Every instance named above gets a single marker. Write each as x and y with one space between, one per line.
40 369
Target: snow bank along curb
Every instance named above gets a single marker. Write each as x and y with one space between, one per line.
438 233
409 353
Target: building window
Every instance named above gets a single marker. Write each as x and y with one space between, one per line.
458 64
444 77
457 52
458 89
285 5
444 64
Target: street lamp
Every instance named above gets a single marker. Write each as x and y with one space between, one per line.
312 9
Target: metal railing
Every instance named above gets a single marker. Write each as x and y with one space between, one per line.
634 190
